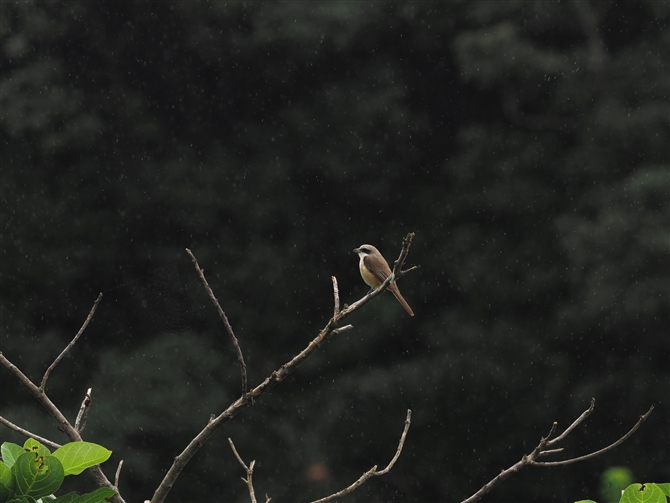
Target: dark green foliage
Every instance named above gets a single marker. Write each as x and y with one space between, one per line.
526 143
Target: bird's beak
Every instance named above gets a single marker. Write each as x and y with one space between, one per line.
357 250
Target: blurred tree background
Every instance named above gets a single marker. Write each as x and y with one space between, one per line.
525 142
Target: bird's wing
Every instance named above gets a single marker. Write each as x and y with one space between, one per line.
379 268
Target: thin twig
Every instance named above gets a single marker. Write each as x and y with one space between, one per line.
576 423
400 261
29 434
80 422
118 475
401 444
543 442
43 385
249 469
601 451
336 294
226 323
372 472
551 451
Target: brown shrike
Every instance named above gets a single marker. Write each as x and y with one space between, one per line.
374 270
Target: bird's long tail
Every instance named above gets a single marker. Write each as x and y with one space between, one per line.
403 302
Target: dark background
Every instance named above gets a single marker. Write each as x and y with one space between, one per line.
526 144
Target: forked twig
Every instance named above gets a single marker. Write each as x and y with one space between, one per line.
43 385
250 471
224 318
372 472
601 451
529 459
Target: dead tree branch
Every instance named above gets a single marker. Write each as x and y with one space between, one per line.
249 469
530 459
224 318
372 472
118 475
80 422
29 434
601 451
332 328
43 385
336 295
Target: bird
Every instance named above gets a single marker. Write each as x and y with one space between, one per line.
374 270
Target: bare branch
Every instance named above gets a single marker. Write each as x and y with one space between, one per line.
543 442
505 474
397 265
80 422
277 376
250 471
362 479
43 385
118 475
551 451
372 472
342 329
576 423
226 323
529 460
401 444
336 294
29 434
601 451
413 268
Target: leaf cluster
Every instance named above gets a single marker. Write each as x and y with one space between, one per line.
32 473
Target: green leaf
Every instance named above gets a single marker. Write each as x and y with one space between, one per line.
67 498
10 452
97 496
77 456
665 487
37 476
32 445
23 499
6 478
585 501
643 493
6 490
